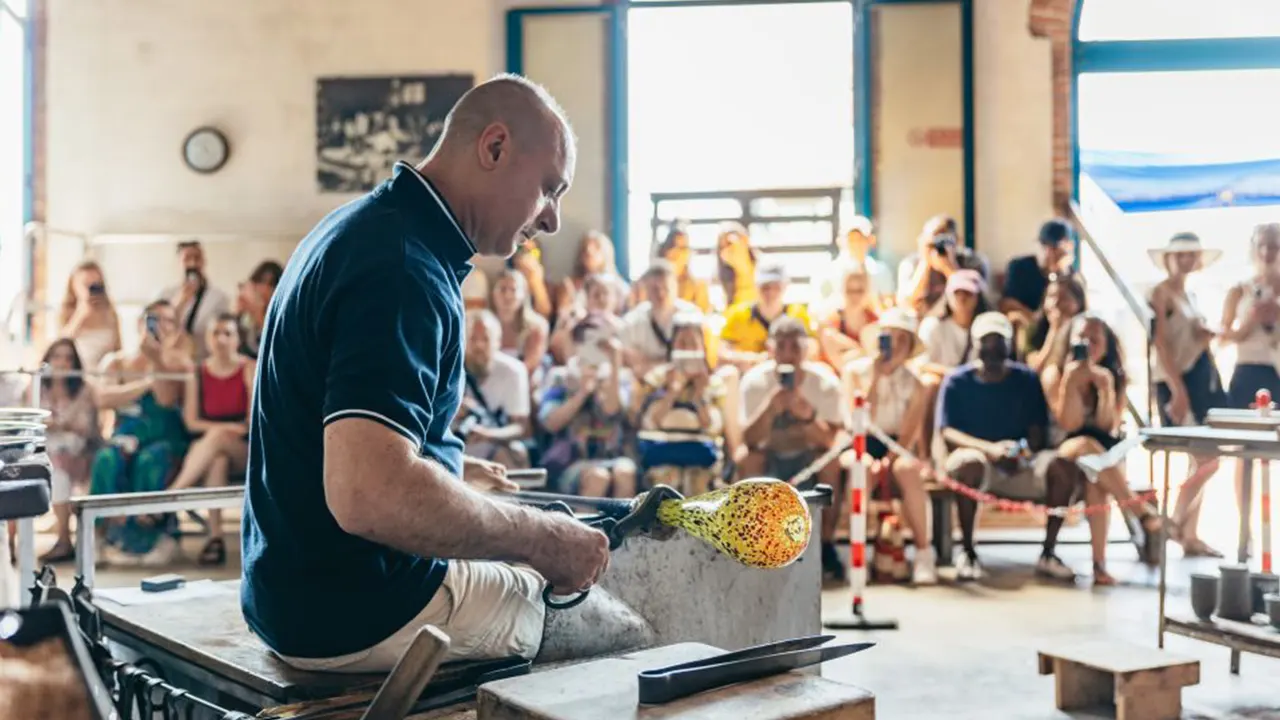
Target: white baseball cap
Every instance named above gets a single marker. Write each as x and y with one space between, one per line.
991 323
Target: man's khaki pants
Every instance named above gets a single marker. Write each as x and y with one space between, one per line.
489 610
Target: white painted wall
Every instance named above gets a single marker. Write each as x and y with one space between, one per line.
128 79
1013 129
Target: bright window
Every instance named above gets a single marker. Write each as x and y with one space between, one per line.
1178 19
12 158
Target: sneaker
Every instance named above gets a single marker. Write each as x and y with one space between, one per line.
924 570
968 568
1052 567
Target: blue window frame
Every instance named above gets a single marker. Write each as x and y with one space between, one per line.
863 160
16 147
1140 36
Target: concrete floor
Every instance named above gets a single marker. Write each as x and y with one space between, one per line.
969 651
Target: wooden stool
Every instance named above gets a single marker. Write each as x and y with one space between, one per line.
1143 683
609 688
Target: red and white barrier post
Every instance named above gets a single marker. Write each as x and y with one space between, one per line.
858 530
1263 402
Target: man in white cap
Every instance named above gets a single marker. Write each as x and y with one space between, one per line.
994 419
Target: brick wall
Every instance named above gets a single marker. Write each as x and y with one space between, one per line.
1051 19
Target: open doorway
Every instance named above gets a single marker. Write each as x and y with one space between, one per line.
745 113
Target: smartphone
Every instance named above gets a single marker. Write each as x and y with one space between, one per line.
193 277
1080 352
886 344
153 326
161 583
97 289
787 377
942 242
688 361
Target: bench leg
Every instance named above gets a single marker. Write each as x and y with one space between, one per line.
1161 705
1077 686
943 543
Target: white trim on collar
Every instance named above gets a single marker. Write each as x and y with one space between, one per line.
443 206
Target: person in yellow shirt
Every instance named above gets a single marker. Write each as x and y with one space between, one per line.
675 250
744 338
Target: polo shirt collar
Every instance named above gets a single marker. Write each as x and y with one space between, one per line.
427 210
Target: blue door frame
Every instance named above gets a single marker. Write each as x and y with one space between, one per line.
1132 56
863 180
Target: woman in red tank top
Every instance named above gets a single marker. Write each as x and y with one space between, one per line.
216 409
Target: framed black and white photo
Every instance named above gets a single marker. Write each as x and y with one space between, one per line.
365 124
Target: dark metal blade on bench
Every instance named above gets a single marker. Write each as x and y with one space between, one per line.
674 682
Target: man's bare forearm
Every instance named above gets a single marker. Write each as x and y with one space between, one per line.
378 488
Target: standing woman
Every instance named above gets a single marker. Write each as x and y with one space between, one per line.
1249 318
1187 380
88 316
675 250
73 437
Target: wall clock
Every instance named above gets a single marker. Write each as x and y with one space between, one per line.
206 150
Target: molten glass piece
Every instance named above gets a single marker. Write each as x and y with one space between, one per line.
761 523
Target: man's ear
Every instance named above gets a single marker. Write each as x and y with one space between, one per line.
494 145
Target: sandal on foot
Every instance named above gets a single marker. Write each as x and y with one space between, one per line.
214 552
1199 548
1153 535
1102 578
59 553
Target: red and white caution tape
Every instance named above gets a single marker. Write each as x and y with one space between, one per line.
1002 503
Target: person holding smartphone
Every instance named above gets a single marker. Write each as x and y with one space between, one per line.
791 415
88 317
648 331
584 405
898 402
149 438
1086 392
196 302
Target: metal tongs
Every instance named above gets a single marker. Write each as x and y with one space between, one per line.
676 681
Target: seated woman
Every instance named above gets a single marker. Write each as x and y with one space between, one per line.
524 331
216 408
73 436
595 257
601 300
1086 394
948 342
675 250
898 404
584 405
1049 334
149 438
839 335
686 403
736 265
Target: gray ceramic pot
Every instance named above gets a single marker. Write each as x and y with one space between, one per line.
1260 586
1204 595
1273 609
1234 599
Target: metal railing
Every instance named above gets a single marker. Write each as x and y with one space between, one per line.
1128 315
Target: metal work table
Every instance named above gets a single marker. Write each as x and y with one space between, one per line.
1241 434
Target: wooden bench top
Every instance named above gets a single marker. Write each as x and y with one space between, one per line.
1114 657
211 634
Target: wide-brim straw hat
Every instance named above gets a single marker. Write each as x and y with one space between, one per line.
1185 242
892 319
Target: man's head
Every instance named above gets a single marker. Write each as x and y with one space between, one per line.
771 280
993 334
191 255
484 333
660 284
505 158
1057 248
223 336
788 341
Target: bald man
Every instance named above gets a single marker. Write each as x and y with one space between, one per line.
359 528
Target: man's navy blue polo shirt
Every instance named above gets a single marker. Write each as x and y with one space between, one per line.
367 322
